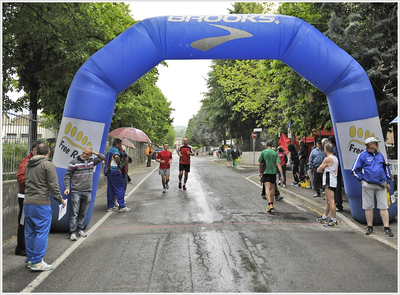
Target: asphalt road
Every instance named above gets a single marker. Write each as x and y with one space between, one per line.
215 237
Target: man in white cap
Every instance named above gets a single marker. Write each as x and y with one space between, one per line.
371 170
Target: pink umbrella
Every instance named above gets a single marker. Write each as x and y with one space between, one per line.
130 133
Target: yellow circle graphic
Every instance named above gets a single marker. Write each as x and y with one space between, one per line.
89 144
367 134
79 136
73 131
68 128
84 140
352 131
360 132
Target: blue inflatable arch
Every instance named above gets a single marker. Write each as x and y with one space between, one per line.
92 96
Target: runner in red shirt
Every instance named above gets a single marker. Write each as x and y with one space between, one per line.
184 152
164 157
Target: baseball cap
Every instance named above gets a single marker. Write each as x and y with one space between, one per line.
371 139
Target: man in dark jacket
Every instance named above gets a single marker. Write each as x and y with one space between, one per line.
235 154
20 249
41 180
79 181
303 153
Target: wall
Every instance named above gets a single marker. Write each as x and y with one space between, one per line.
10 208
246 158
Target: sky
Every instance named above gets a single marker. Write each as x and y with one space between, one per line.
183 81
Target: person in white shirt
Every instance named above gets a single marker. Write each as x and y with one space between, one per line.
329 167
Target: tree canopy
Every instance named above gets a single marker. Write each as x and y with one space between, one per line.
244 94
44 45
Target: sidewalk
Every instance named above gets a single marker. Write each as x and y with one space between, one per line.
305 197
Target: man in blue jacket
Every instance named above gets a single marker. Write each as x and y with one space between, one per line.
115 181
317 156
371 170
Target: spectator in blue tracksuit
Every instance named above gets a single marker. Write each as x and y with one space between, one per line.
317 156
371 170
115 181
41 180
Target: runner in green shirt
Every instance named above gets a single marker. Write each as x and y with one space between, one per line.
272 161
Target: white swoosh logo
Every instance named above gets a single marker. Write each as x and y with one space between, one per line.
208 43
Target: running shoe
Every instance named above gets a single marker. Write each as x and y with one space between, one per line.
322 220
73 237
369 230
278 198
81 233
164 190
125 209
41 266
180 185
264 197
184 187
109 209
331 224
28 263
388 232
270 208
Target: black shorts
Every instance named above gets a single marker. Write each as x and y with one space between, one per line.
331 188
184 167
271 178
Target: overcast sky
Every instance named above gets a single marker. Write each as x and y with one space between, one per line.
183 81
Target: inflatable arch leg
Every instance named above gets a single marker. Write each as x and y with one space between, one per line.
91 98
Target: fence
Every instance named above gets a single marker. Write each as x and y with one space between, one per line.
15 137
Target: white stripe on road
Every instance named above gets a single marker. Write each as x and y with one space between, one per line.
40 278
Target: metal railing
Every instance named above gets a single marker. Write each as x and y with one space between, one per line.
15 137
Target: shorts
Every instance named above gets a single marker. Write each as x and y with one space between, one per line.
185 167
164 171
368 192
271 178
331 188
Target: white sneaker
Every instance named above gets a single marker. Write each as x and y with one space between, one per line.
73 237
81 233
164 190
41 266
125 209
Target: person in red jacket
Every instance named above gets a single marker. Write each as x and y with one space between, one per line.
21 177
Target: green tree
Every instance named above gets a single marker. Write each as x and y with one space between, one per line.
44 44
142 105
368 32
